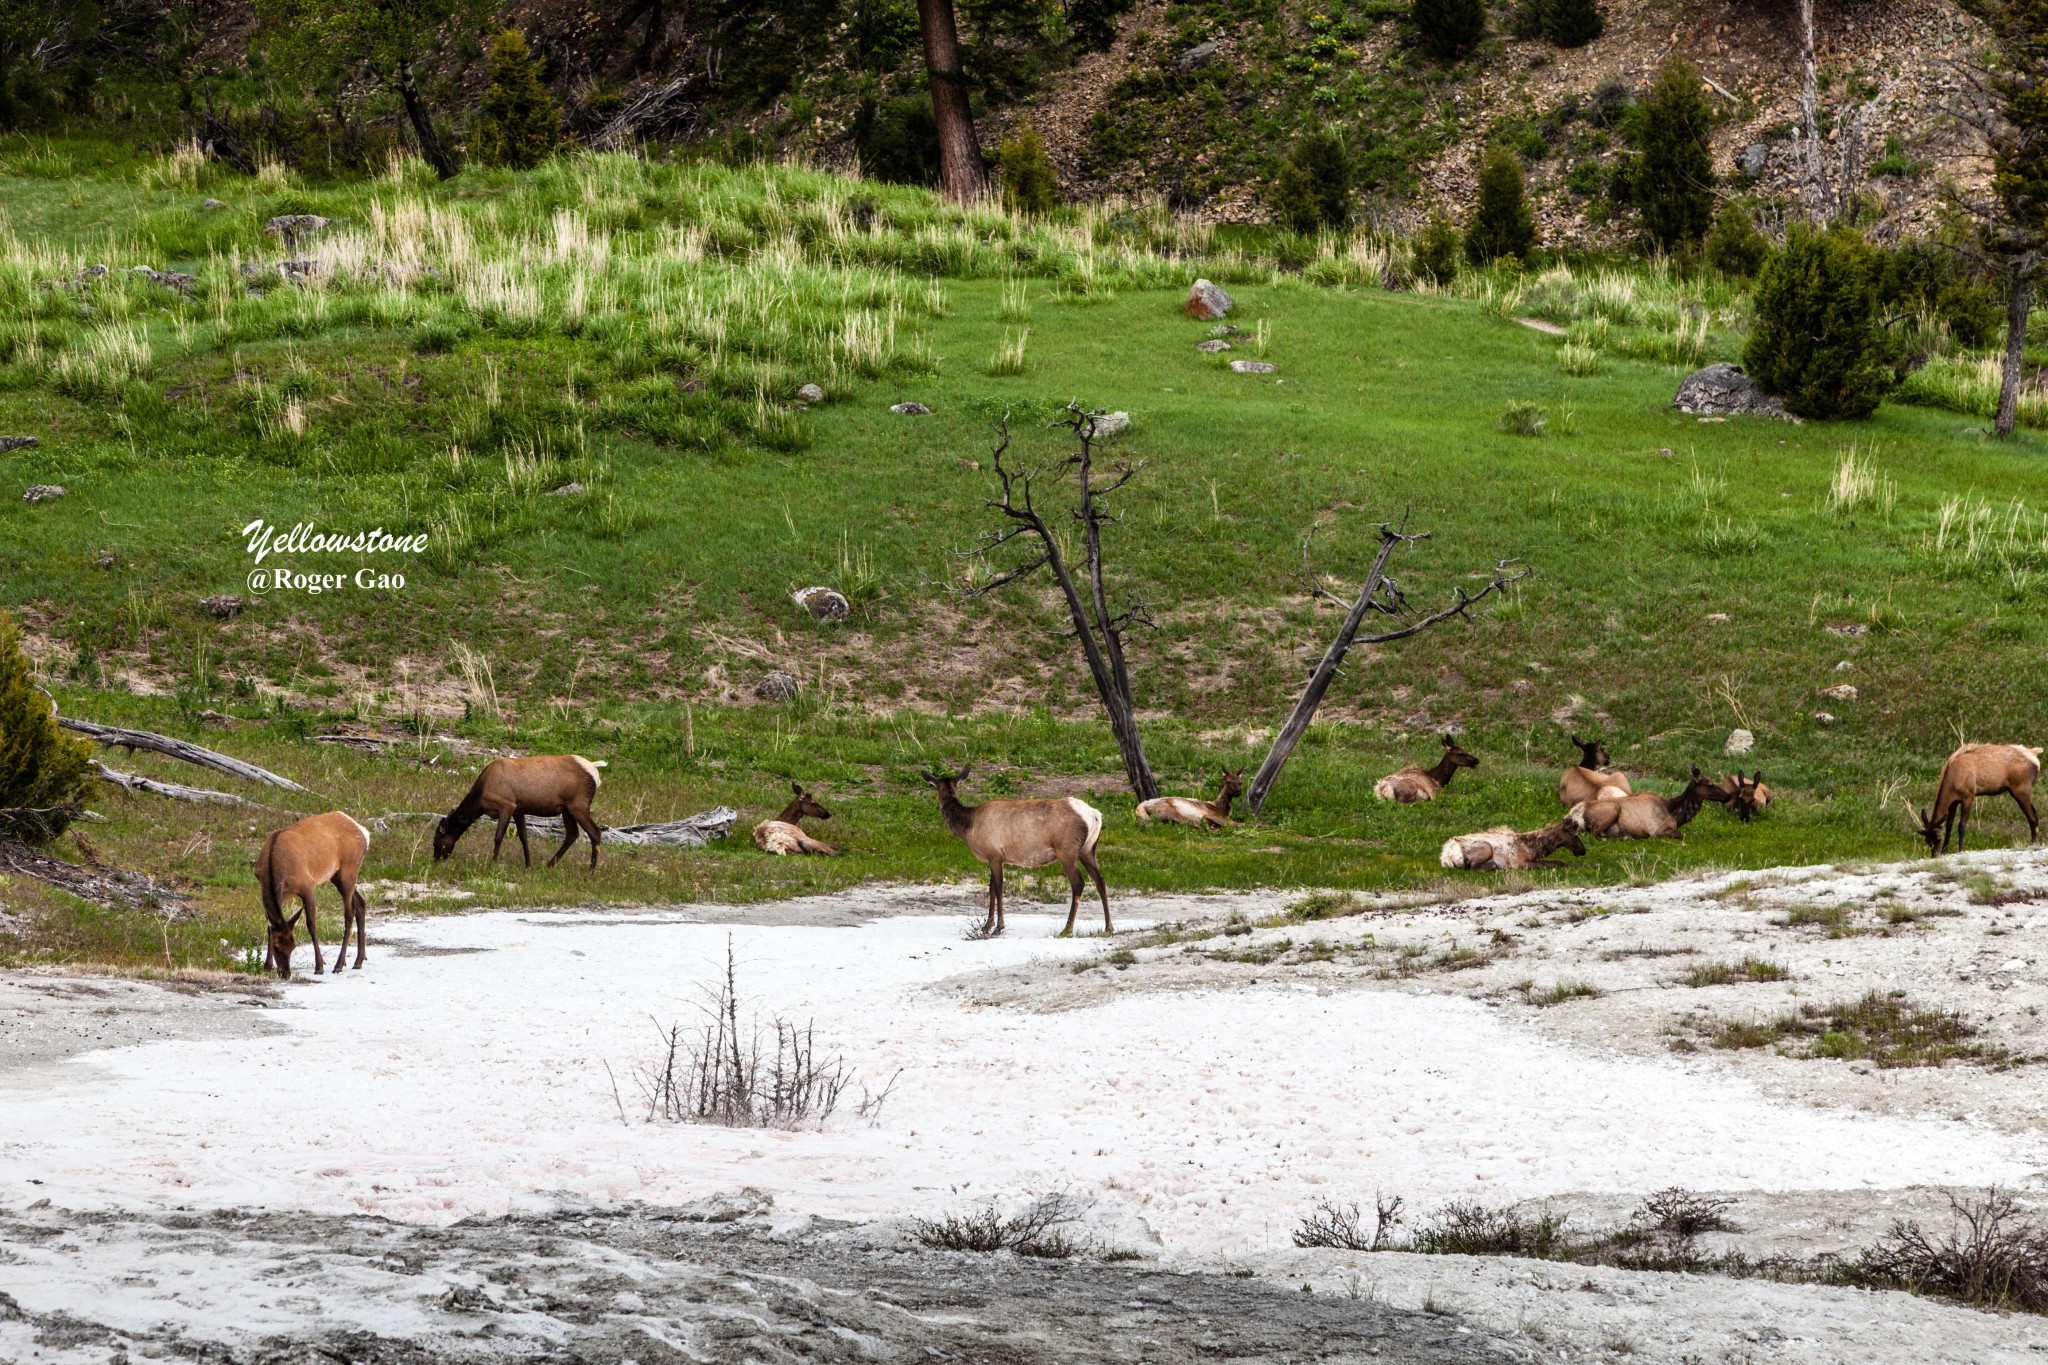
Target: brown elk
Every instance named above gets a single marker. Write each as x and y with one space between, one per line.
1061 829
782 836
1980 770
1584 781
1747 796
1501 849
293 864
1646 815
1184 810
510 789
1412 783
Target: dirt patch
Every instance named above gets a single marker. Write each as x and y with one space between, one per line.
45 1018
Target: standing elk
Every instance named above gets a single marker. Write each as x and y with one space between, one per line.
1500 849
1061 829
782 836
510 789
1646 815
1584 781
1747 796
1184 810
293 864
1412 783
1980 770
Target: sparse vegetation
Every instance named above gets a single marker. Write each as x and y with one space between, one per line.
1728 973
1036 1230
1882 1028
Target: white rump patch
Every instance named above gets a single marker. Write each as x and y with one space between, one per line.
1091 816
359 828
596 778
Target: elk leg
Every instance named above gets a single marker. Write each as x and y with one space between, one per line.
313 933
2026 805
341 953
362 913
1075 882
498 843
590 829
1088 861
570 829
526 849
995 886
1963 824
998 880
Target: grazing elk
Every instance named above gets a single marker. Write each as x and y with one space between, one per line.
1646 815
1747 796
1980 770
1413 784
1061 829
1500 849
781 836
293 864
1584 781
1185 810
510 789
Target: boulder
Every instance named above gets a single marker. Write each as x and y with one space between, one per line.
225 606
293 228
776 686
1723 390
1197 57
1213 346
9 443
1739 742
169 279
1109 424
1752 160
1224 329
824 604
1253 366
911 409
212 204
1207 302
1839 692
726 1207
1823 718
44 492
566 490
811 393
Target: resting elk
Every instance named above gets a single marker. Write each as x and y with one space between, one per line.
1183 810
1584 781
1646 815
510 789
293 864
1412 783
1980 770
1500 849
1747 796
782 836
1059 829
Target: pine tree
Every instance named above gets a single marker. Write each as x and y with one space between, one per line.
520 124
1437 248
1501 225
41 768
1030 183
1818 338
1674 172
1313 188
1573 23
1735 247
1448 28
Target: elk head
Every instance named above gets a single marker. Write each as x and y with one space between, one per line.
1705 788
944 783
1456 756
445 835
806 804
1233 784
283 938
1592 755
1743 799
1930 830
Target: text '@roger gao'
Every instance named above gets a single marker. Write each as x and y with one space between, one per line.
262 581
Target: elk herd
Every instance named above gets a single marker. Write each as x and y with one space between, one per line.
1599 802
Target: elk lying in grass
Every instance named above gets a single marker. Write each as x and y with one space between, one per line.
1061 829
1747 796
1413 784
1584 781
510 789
292 866
1185 810
1500 849
781 836
1980 770
1646 815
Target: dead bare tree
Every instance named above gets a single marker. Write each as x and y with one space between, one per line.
1100 633
1820 200
1380 594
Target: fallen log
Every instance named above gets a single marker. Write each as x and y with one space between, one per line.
653 110
176 791
178 749
96 882
691 832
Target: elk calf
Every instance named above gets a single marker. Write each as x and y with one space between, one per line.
1747 796
1646 815
1500 849
1980 770
1061 829
1412 784
1585 781
1183 810
293 864
510 789
781 836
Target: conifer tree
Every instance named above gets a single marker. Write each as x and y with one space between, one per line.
1674 171
1818 336
1735 247
1448 28
1573 23
1501 224
1313 189
1030 183
520 124
42 770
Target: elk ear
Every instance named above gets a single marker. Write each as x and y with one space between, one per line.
1695 772
928 777
965 768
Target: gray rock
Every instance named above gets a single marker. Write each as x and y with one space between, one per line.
776 686
1839 692
1213 345
224 606
1207 301
1849 628
293 228
1739 742
169 279
93 272
811 393
1197 57
212 204
1752 160
1253 366
8 443
44 492
1823 718
1723 390
911 409
1224 329
824 604
726 1207
1110 424
565 490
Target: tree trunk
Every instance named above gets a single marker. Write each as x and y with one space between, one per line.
961 174
423 124
1817 195
1319 682
2015 356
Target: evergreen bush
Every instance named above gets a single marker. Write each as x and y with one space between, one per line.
1313 189
1448 28
1030 184
1572 23
1437 248
1817 338
1501 224
1674 170
519 124
41 767
898 141
1735 247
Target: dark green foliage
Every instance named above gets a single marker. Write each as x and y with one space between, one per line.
898 141
1572 23
1586 178
1093 22
520 124
1674 170
1437 248
1924 277
1448 28
1608 104
1817 338
41 768
1525 21
1313 189
1501 223
1030 184
1735 247
881 33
